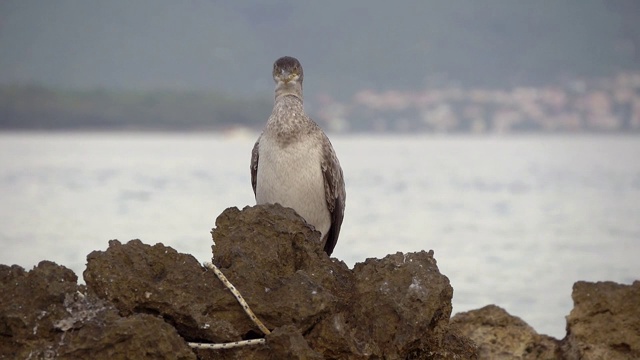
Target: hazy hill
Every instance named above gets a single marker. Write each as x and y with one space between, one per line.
345 46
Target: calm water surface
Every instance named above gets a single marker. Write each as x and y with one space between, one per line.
513 221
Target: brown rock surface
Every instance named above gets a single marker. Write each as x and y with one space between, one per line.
276 262
140 278
499 335
45 315
144 301
287 342
604 322
395 307
401 305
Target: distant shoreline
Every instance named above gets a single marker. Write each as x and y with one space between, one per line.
254 133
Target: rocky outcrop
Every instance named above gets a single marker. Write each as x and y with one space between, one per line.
604 322
392 307
144 301
149 301
44 314
603 325
499 335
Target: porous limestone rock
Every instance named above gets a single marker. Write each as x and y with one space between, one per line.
45 314
499 335
604 322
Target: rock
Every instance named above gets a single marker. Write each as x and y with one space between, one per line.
30 303
401 305
143 301
499 335
139 278
132 337
456 346
287 342
396 307
45 314
275 259
604 322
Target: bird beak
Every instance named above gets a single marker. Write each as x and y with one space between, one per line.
287 77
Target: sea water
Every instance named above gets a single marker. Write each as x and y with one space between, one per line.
513 221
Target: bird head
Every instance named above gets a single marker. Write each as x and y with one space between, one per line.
288 75
287 71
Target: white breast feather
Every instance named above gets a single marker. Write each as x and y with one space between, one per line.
292 177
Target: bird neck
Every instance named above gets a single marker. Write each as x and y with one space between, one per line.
288 119
293 88
288 104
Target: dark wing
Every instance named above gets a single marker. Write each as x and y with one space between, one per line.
254 165
335 193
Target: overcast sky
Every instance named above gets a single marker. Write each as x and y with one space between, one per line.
348 45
